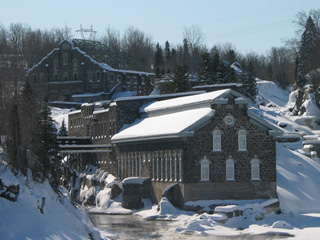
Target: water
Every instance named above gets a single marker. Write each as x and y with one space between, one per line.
131 227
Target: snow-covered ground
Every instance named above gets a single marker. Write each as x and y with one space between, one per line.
298 187
23 220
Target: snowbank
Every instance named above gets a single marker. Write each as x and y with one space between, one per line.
22 219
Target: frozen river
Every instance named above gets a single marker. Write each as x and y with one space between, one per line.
134 227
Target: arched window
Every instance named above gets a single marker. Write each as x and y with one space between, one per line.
216 140
229 169
55 65
204 169
75 64
98 76
35 78
65 76
255 169
242 140
65 59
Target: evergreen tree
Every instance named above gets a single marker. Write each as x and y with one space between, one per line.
308 53
167 56
215 66
46 148
158 60
13 141
180 78
63 130
248 81
205 72
28 111
300 76
185 53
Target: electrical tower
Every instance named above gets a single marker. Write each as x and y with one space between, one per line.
89 31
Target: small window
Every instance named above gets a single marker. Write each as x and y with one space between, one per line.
55 65
255 169
56 77
75 76
204 170
65 59
98 76
229 169
35 78
75 64
242 140
216 140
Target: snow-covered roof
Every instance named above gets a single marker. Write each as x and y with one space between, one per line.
188 102
83 95
218 85
102 65
174 125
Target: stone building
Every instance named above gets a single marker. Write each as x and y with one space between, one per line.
67 71
208 143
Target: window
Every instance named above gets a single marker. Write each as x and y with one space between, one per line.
75 64
55 65
75 76
216 140
204 169
98 76
56 77
242 140
255 169
229 169
229 120
65 59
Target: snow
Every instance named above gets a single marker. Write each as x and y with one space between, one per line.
134 180
169 125
60 114
177 102
23 220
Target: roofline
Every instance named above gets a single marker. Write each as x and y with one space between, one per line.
180 135
264 122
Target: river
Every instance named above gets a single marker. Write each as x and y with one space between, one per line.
132 227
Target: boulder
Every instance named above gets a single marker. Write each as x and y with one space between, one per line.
133 190
115 191
174 195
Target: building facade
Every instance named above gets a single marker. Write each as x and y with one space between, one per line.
208 143
67 71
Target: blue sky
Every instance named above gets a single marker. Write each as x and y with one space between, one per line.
250 25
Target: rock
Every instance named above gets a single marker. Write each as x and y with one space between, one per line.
115 191
133 190
9 192
281 224
174 195
95 235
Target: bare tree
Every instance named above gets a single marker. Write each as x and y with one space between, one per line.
112 39
138 45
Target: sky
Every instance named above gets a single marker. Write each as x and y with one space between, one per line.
249 25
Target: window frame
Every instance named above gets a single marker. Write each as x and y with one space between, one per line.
242 140
255 169
215 147
230 165
205 170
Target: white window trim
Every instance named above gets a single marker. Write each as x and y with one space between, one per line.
214 135
239 140
252 169
230 163
205 163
